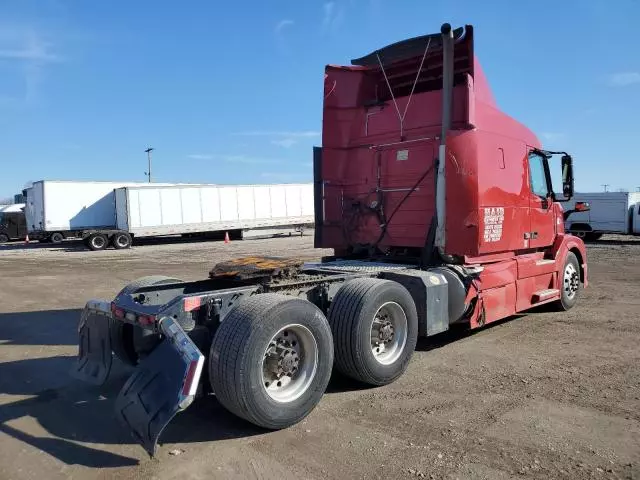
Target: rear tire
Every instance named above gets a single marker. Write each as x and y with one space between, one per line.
97 241
271 359
121 240
56 238
148 281
570 285
130 342
375 330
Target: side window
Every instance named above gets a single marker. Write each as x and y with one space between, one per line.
537 175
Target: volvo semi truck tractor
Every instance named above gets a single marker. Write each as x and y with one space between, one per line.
440 210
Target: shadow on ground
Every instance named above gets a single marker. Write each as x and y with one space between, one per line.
76 414
46 327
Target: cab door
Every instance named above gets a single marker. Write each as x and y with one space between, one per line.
542 229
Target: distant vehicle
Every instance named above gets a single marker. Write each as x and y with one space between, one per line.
610 212
107 214
203 209
12 223
56 210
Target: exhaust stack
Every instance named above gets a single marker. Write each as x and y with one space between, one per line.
447 91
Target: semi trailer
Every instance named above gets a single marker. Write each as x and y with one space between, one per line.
203 209
58 209
105 214
609 213
440 211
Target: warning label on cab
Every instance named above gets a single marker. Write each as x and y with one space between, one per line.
493 219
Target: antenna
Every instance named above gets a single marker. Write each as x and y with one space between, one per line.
605 185
148 172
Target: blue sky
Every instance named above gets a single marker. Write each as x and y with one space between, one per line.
231 92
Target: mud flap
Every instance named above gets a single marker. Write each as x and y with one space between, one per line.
163 384
94 344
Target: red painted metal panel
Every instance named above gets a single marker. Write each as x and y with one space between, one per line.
498 274
369 161
528 286
532 264
499 302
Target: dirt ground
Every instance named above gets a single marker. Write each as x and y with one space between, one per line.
545 395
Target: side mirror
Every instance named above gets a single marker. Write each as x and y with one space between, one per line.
567 176
582 207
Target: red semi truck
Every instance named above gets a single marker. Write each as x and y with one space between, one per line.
440 210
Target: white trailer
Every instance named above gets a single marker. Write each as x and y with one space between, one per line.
610 212
188 209
184 209
56 210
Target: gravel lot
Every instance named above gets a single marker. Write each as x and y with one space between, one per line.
544 395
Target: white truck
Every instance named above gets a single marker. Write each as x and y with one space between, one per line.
113 214
610 212
56 210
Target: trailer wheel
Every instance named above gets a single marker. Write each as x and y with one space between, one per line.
56 238
129 342
570 286
271 360
375 330
4 238
97 241
121 240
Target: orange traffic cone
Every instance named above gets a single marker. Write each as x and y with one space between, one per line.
226 237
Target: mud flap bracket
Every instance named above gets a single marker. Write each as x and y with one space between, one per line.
162 384
94 359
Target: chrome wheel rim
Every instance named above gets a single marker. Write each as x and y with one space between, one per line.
289 363
571 280
121 240
389 330
98 242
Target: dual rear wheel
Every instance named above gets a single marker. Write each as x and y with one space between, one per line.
100 241
272 357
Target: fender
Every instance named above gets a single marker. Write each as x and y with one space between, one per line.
565 243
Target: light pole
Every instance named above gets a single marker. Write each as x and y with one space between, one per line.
148 172
605 185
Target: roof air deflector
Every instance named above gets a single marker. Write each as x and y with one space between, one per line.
405 49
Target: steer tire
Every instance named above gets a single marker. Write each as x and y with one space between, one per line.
130 342
238 361
4 238
351 316
569 283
